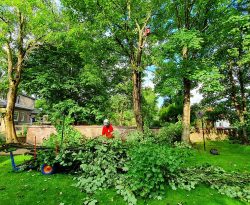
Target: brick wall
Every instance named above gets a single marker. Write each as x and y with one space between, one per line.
40 132
44 131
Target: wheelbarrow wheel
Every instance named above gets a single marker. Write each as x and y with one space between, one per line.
47 169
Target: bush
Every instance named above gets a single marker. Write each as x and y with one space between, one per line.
170 133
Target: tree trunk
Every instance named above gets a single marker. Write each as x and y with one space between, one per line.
186 103
137 98
14 77
186 111
240 109
9 117
242 94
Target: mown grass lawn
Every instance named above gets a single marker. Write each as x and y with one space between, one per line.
30 188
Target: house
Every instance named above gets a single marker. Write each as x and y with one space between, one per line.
220 124
24 110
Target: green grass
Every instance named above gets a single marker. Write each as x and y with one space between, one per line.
232 157
27 188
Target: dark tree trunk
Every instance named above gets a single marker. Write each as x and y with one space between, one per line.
137 99
240 108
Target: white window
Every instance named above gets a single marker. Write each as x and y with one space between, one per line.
16 116
22 116
18 99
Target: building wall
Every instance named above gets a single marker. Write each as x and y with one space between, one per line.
20 117
26 101
2 125
23 116
222 124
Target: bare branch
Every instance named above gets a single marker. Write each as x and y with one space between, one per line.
34 43
121 45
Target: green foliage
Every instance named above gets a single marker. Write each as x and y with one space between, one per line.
232 184
150 109
136 168
183 38
71 138
170 113
120 110
240 128
2 138
134 137
170 133
64 72
101 163
150 165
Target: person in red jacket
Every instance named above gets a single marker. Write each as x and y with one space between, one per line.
107 129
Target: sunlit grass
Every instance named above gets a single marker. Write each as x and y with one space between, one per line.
21 188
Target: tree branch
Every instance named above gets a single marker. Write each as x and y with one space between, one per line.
121 45
177 15
4 20
10 62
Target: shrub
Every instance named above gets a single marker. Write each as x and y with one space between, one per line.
170 133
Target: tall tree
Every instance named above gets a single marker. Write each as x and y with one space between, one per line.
127 23
231 54
59 72
187 27
24 25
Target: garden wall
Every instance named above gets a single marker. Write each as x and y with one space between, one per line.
41 132
90 131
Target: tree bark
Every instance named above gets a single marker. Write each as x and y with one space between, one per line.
186 111
137 99
14 77
186 103
240 109
9 117
243 107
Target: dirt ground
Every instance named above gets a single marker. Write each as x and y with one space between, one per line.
17 152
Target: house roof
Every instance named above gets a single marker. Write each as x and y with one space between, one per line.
3 104
27 96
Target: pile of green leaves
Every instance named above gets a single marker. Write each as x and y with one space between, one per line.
140 167
150 166
101 164
235 185
71 138
136 168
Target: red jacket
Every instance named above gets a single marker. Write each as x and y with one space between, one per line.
107 131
